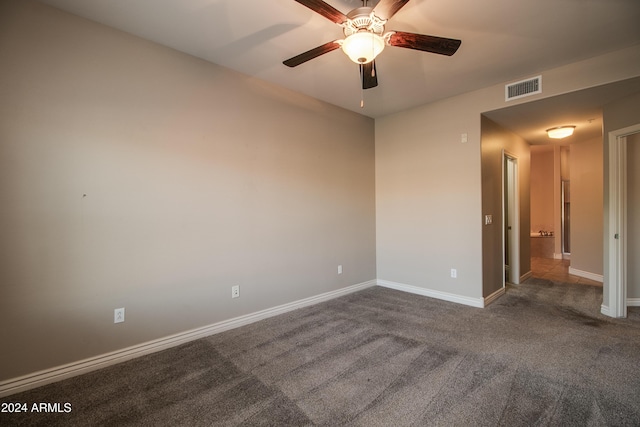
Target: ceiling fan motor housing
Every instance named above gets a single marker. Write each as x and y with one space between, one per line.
363 19
363 35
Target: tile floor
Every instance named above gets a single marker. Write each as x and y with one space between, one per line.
558 271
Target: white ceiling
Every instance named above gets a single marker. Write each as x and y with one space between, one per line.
502 40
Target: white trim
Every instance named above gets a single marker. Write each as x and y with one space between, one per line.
73 369
494 296
558 256
586 274
514 267
615 284
526 275
616 226
633 302
604 309
473 302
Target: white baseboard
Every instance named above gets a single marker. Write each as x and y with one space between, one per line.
47 376
631 302
494 296
473 302
557 256
586 274
525 276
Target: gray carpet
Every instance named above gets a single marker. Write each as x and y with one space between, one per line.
540 355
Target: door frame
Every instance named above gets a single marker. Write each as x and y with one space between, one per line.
514 247
616 257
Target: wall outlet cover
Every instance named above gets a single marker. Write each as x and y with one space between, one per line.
118 315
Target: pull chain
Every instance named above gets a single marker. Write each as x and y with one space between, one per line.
361 86
373 72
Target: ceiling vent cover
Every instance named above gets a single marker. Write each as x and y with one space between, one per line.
523 88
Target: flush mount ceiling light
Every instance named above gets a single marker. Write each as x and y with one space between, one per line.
363 47
560 132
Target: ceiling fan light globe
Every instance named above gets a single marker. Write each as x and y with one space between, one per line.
363 47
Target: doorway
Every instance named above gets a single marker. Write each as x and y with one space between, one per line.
622 226
565 221
511 220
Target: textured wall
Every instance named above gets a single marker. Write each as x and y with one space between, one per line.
542 189
135 176
587 206
497 140
617 115
633 216
430 190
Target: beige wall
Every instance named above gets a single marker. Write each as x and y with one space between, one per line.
430 190
587 206
617 115
135 176
543 188
495 141
197 178
428 198
633 217
584 166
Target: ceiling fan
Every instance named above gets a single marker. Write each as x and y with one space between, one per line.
365 37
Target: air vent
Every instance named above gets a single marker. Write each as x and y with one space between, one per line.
523 88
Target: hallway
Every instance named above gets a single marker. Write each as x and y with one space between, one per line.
557 270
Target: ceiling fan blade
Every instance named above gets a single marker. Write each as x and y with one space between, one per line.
432 44
324 9
369 75
387 8
310 54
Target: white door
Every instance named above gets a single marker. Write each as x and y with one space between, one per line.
511 221
618 238
633 220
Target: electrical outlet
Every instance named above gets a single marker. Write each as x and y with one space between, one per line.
235 291
454 273
340 269
118 315
488 219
